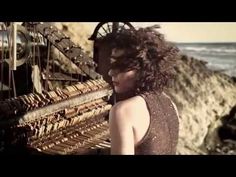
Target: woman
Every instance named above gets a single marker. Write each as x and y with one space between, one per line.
145 120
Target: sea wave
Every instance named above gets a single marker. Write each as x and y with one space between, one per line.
205 49
220 57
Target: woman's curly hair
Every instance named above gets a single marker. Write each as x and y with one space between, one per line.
150 54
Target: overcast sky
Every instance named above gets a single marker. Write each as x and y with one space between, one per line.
194 32
197 32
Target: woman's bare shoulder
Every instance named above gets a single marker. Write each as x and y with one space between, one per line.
129 107
132 102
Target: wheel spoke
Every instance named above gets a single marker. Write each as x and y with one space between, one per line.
105 30
108 26
122 27
100 34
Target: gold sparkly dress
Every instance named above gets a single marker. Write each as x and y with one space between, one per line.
162 134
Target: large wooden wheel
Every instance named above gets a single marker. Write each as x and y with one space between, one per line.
104 28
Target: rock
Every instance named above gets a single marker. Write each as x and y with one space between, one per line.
79 33
202 98
227 133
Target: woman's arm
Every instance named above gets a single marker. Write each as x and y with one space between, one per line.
121 130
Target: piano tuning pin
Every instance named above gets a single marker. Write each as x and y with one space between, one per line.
66 49
15 112
74 58
94 64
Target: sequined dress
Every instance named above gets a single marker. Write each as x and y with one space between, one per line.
162 135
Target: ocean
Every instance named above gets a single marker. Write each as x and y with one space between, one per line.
219 56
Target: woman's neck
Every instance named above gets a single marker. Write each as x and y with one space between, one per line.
124 96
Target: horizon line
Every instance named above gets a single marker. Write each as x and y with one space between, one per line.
217 42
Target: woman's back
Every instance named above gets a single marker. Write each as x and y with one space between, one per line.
162 134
